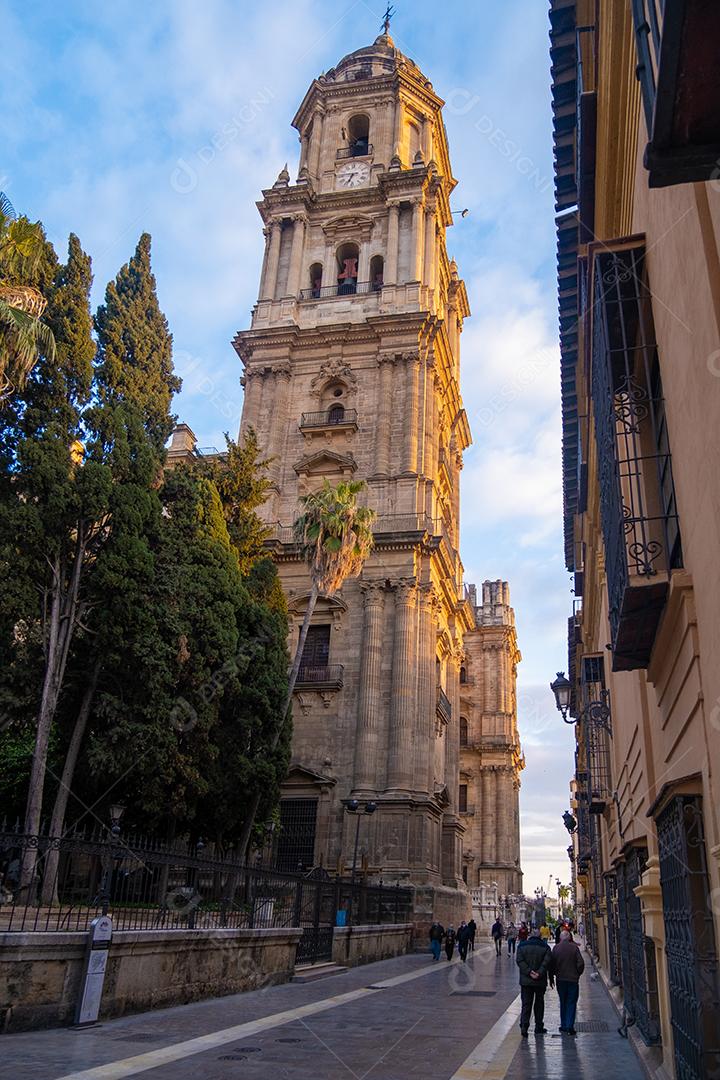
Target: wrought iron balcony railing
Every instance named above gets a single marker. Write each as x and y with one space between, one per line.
443 707
327 677
344 288
637 497
332 417
358 149
384 526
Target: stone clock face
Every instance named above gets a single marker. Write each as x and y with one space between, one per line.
353 174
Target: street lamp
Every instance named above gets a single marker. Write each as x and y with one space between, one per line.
353 807
596 712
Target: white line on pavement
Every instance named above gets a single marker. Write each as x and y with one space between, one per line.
492 1057
153 1059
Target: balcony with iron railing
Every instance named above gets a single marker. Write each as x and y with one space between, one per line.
334 417
677 46
634 470
384 527
443 706
362 148
323 677
342 288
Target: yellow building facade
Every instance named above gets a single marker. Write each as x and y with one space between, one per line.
636 113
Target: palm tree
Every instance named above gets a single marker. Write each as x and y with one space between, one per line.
335 535
22 335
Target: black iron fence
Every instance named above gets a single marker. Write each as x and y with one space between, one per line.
62 883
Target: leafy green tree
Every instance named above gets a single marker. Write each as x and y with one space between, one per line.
135 347
23 336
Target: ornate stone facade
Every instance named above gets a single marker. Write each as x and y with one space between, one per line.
490 756
352 371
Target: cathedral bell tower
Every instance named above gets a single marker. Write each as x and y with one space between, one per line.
351 371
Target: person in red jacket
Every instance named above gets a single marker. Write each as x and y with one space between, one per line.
523 931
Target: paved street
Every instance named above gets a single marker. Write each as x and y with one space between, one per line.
401 1018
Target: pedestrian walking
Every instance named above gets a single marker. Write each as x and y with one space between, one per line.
511 934
545 932
523 931
463 940
472 927
533 959
437 932
497 931
449 942
566 967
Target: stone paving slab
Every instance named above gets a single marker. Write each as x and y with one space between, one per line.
421 1029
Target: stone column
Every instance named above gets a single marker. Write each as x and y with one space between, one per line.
416 241
425 733
382 441
271 268
316 144
430 247
263 269
370 698
281 373
252 383
329 274
452 754
403 705
391 269
398 128
412 408
489 825
296 254
503 811
364 262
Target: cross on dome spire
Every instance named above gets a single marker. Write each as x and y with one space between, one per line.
389 12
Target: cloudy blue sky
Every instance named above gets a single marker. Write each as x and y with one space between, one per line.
108 128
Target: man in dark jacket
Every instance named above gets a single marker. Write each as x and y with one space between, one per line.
472 927
533 957
567 965
437 933
497 931
463 940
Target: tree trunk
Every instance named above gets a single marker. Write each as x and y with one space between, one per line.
244 841
63 618
57 821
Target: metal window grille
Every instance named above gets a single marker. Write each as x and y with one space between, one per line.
596 735
637 499
639 990
316 650
613 928
296 839
462 799
690 944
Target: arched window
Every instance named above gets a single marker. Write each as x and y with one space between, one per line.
315 279
463 731
377 270
463 674
336 414
347 260
358 133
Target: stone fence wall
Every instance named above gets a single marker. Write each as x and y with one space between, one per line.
40 973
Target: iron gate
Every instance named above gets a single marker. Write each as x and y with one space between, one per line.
315 902
613 928
689 939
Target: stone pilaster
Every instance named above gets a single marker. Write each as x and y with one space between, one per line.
370 695
489 824
391 266
296 254
273 261
430 247
403 703
382 441
412 380
281 393
425 734
316 144
416 241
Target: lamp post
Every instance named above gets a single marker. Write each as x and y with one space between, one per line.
595 712
116 812
352 806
